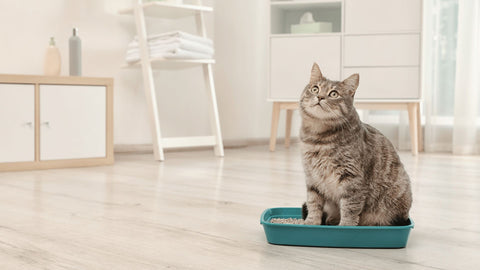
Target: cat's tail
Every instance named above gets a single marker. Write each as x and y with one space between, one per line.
304 210
400 221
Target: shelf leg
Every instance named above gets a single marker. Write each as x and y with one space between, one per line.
148 83
208 75
213 109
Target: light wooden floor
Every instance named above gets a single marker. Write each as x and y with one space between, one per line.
196 211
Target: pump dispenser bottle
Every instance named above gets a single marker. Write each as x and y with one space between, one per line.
75 53
52 64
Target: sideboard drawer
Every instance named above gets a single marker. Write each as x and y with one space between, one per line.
387 82
380 16
382 50
291 61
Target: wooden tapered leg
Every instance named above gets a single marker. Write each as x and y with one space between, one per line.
412 119
288 128
419 129
275 117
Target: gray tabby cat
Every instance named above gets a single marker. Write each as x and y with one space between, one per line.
353 174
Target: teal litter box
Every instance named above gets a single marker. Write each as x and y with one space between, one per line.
331 236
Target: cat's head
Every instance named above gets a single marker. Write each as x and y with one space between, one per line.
324 99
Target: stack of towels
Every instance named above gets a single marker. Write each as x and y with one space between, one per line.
173 45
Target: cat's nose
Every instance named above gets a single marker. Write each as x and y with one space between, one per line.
320 98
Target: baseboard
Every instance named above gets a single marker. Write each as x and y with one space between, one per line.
228 144
263 141
133 148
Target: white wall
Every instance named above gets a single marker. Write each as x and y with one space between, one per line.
241 38
241 69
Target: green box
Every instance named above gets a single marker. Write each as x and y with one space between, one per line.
331 236
309 28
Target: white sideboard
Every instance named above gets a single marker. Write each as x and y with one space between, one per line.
379 39
50 122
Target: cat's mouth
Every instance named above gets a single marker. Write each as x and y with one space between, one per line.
317 104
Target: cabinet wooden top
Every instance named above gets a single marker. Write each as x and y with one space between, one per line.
70 80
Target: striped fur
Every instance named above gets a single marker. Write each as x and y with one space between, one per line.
353 173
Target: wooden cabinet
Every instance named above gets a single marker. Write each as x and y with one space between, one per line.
50 122
17 122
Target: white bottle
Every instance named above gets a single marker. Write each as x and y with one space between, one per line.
52 62
75 50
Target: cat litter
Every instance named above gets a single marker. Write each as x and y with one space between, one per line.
285 226
287 221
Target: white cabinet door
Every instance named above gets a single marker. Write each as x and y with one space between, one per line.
387 82
72 122
382 50
378 16
17 122
291 60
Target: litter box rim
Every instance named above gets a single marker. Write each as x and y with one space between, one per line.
265 219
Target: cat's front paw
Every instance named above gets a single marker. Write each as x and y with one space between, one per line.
348 223
313 221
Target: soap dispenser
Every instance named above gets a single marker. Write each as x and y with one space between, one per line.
52 62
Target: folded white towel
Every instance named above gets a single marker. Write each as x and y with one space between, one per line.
174 43
172 54
179 34
184 54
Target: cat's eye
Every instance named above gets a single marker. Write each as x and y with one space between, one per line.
314 89
333 94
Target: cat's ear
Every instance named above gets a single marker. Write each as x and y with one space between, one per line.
316 74
351 83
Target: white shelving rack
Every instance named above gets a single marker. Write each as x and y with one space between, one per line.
172 11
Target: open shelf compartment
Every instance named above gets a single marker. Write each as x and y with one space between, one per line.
284 14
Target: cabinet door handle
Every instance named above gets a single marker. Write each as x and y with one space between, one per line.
46 124
29 124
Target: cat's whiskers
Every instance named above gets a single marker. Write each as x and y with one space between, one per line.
344 123
337 116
